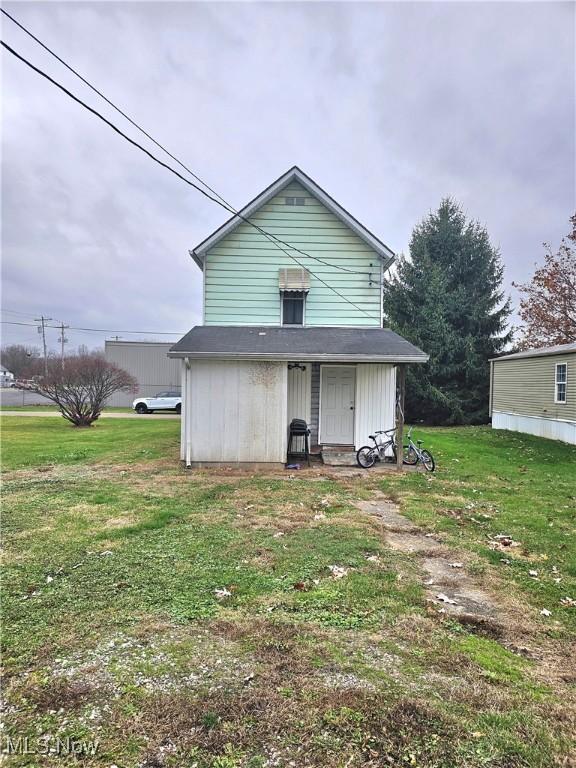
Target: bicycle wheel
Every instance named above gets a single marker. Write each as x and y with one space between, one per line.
428 461
366 457
410 456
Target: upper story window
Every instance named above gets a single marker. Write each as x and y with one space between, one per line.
293 306
560 382
295 200
294 284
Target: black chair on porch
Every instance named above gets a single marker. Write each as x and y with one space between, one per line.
299 432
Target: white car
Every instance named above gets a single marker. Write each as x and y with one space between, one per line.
163 401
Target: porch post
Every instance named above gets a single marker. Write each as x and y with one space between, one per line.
400 392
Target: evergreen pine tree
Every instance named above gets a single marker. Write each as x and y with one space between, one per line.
447 299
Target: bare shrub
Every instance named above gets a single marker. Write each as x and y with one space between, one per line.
80 385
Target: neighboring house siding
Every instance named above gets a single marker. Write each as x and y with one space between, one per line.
150 365
525 386
241 271
235 411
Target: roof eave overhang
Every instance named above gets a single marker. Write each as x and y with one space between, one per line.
287 357
556 353
385 253
199 260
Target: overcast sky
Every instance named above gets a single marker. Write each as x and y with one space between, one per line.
388 106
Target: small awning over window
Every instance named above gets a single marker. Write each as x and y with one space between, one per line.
293 279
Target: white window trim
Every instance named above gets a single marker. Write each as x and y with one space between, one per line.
556 382
293 325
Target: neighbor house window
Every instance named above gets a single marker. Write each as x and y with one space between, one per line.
560 382
295 200
293 307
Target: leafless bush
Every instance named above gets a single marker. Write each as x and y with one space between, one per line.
80 386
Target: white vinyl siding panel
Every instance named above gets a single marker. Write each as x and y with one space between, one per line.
551 429
375 400
241 271
526 386
235 412
300 393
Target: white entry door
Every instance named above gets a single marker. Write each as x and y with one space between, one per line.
337 394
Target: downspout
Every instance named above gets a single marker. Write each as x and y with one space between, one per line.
187 414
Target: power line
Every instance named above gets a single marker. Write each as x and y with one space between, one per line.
98 330
14 312
228 206
105 120
169 168
111 103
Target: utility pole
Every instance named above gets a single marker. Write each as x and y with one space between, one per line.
42 329
63 340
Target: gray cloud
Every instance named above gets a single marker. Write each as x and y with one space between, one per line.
389 106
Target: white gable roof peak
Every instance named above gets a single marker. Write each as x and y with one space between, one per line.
294 174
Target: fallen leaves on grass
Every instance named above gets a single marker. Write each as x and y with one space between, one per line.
502 543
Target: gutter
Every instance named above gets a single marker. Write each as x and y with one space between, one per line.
288 356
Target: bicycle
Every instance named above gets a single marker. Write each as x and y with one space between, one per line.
368 455
413 453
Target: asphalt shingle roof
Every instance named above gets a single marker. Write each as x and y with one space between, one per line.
558 349
282 343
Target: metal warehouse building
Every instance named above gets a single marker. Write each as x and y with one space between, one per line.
535 392
150 365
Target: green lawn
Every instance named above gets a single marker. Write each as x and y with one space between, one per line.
29 442
187 619
49 407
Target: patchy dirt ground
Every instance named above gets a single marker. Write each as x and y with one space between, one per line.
158 617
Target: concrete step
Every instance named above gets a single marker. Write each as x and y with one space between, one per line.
339 456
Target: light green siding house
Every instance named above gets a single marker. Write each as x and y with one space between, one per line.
535 391
241 267
292 328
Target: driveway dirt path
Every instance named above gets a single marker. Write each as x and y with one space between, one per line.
477 601
447 582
